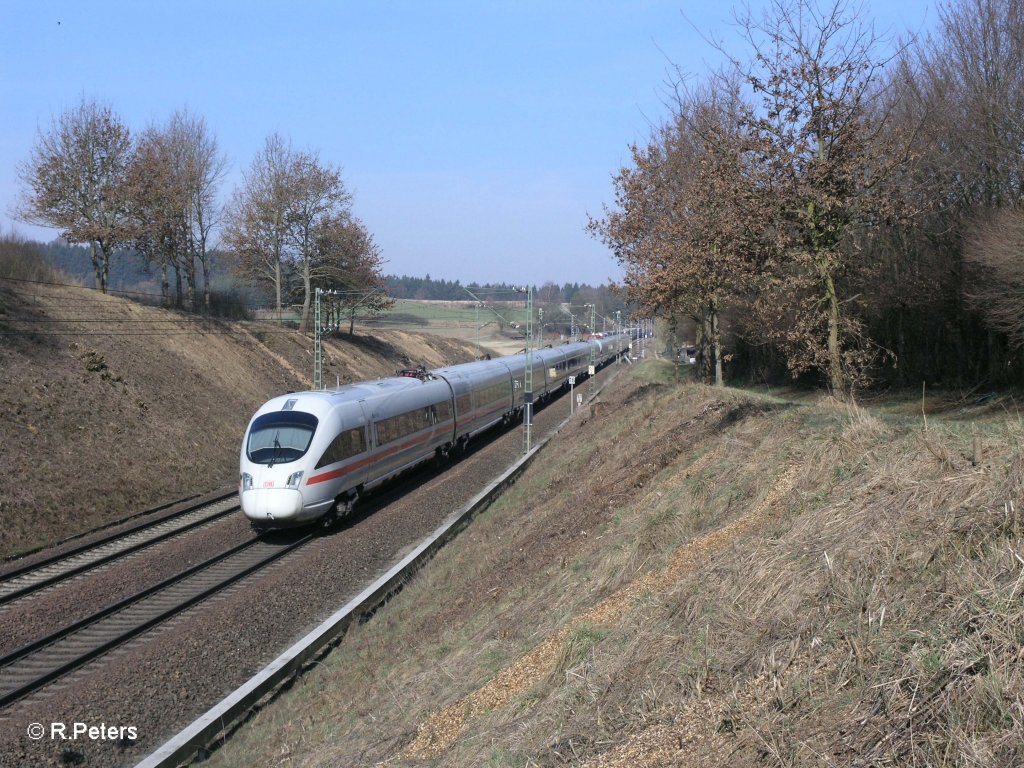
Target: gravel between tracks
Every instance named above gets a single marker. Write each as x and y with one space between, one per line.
159 683
43 612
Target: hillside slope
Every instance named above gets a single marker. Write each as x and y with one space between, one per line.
108 407
701 577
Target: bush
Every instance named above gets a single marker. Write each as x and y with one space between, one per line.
230 303
22 259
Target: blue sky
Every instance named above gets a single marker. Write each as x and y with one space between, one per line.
476 136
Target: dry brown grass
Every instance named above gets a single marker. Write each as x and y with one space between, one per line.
728 581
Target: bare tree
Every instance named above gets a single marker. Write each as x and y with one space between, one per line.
996 252
977 69
74 181
688 221
275 219
347 262
727 223
318 199
641 229
814 71
203 167
963 91
256 222
172 189
157 195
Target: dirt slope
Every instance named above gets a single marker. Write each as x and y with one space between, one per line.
129 406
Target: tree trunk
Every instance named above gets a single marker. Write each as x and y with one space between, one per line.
901 344
105 268
995 368
835 364
701 342
277 287
177 286
206 284
96 268
189 268
306 290
716 340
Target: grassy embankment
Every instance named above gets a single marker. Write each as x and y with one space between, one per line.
703 577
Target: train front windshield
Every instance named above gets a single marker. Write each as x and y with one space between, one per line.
277 438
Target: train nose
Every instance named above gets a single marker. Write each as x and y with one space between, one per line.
265 504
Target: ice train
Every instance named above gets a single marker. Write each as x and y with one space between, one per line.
308 456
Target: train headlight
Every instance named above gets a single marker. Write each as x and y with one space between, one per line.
246 481
294 479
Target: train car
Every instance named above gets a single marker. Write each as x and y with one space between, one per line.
483 394
410 424
516 365
562 362
307 455
610 345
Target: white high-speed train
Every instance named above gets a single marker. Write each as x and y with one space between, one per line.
307 456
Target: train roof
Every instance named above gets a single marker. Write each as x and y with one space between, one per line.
475 366
319 402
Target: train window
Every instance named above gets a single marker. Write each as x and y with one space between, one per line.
464 404
389 429
349 443
280 437
396 427
494 393
444 411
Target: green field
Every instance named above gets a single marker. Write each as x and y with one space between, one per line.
500 326
453 314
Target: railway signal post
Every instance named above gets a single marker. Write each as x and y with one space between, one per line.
318 350
528 373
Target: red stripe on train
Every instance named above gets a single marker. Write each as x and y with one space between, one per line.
336 473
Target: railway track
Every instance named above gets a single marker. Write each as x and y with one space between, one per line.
22 581
39 663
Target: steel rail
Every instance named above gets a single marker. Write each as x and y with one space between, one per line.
58 646
7 580
184 506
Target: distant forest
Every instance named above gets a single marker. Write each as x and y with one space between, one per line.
427 288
